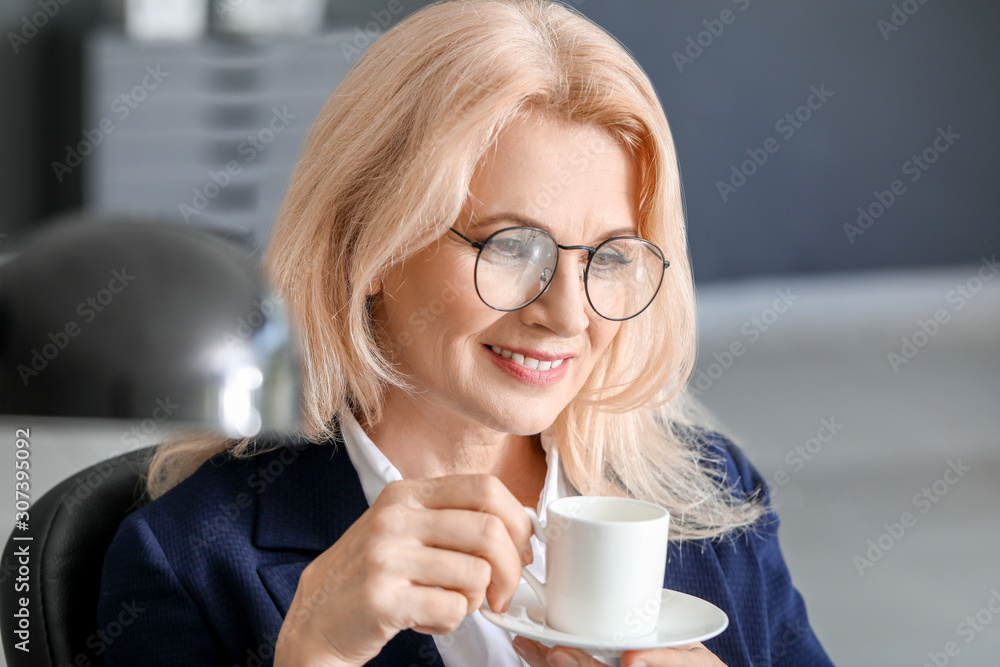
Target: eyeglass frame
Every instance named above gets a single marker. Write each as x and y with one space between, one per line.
591 251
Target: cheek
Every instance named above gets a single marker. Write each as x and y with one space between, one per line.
456 315
443 288
601 336
603 333
435 317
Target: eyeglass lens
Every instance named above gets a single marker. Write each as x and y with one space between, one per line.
515 265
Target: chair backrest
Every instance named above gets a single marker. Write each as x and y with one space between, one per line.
48 597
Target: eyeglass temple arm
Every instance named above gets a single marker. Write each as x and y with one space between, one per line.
474 244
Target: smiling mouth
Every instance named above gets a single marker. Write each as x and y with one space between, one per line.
527 362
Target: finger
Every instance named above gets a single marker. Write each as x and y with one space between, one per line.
480 534
530 651
690 647
480 493
429 610
564 656
689 655
461 572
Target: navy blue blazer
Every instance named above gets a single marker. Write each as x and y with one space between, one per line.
205 574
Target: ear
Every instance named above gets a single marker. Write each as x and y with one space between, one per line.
374 287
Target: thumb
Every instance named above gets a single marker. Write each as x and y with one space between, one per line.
530 651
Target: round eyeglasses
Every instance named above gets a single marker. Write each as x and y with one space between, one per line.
516 265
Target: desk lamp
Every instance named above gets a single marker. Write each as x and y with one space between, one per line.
124 319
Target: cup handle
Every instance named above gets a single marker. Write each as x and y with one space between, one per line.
537 586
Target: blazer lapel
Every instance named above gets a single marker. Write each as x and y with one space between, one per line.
308 496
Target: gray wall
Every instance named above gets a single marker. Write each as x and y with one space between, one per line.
890 96
891 92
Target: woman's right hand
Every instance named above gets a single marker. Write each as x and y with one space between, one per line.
422 557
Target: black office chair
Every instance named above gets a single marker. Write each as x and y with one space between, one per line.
71 528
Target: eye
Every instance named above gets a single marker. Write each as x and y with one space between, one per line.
524 246
511 245
609 258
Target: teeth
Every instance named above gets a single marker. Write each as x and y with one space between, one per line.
527 362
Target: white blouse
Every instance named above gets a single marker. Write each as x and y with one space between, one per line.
476 641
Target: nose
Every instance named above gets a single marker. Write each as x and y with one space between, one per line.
563 308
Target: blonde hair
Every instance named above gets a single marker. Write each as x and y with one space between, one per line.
386 170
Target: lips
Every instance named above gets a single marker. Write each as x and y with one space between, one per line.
528 362
552 367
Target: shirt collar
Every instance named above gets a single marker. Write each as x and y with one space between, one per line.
376 471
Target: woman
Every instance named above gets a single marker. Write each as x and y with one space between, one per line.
475 245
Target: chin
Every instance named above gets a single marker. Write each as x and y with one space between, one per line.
523 422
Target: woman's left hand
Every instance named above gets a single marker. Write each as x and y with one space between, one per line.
691 655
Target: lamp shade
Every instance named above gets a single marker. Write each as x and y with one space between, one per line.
131 320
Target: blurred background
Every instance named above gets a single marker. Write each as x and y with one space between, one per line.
839 162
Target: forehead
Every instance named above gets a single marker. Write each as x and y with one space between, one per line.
567 176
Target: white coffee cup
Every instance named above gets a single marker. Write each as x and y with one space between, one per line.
604 565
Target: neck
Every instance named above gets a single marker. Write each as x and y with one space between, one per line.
422 441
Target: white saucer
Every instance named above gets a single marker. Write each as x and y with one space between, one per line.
684 619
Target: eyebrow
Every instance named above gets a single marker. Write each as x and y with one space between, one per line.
528 222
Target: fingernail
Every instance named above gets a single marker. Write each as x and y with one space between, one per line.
527 556
561 659
525 649
638 663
